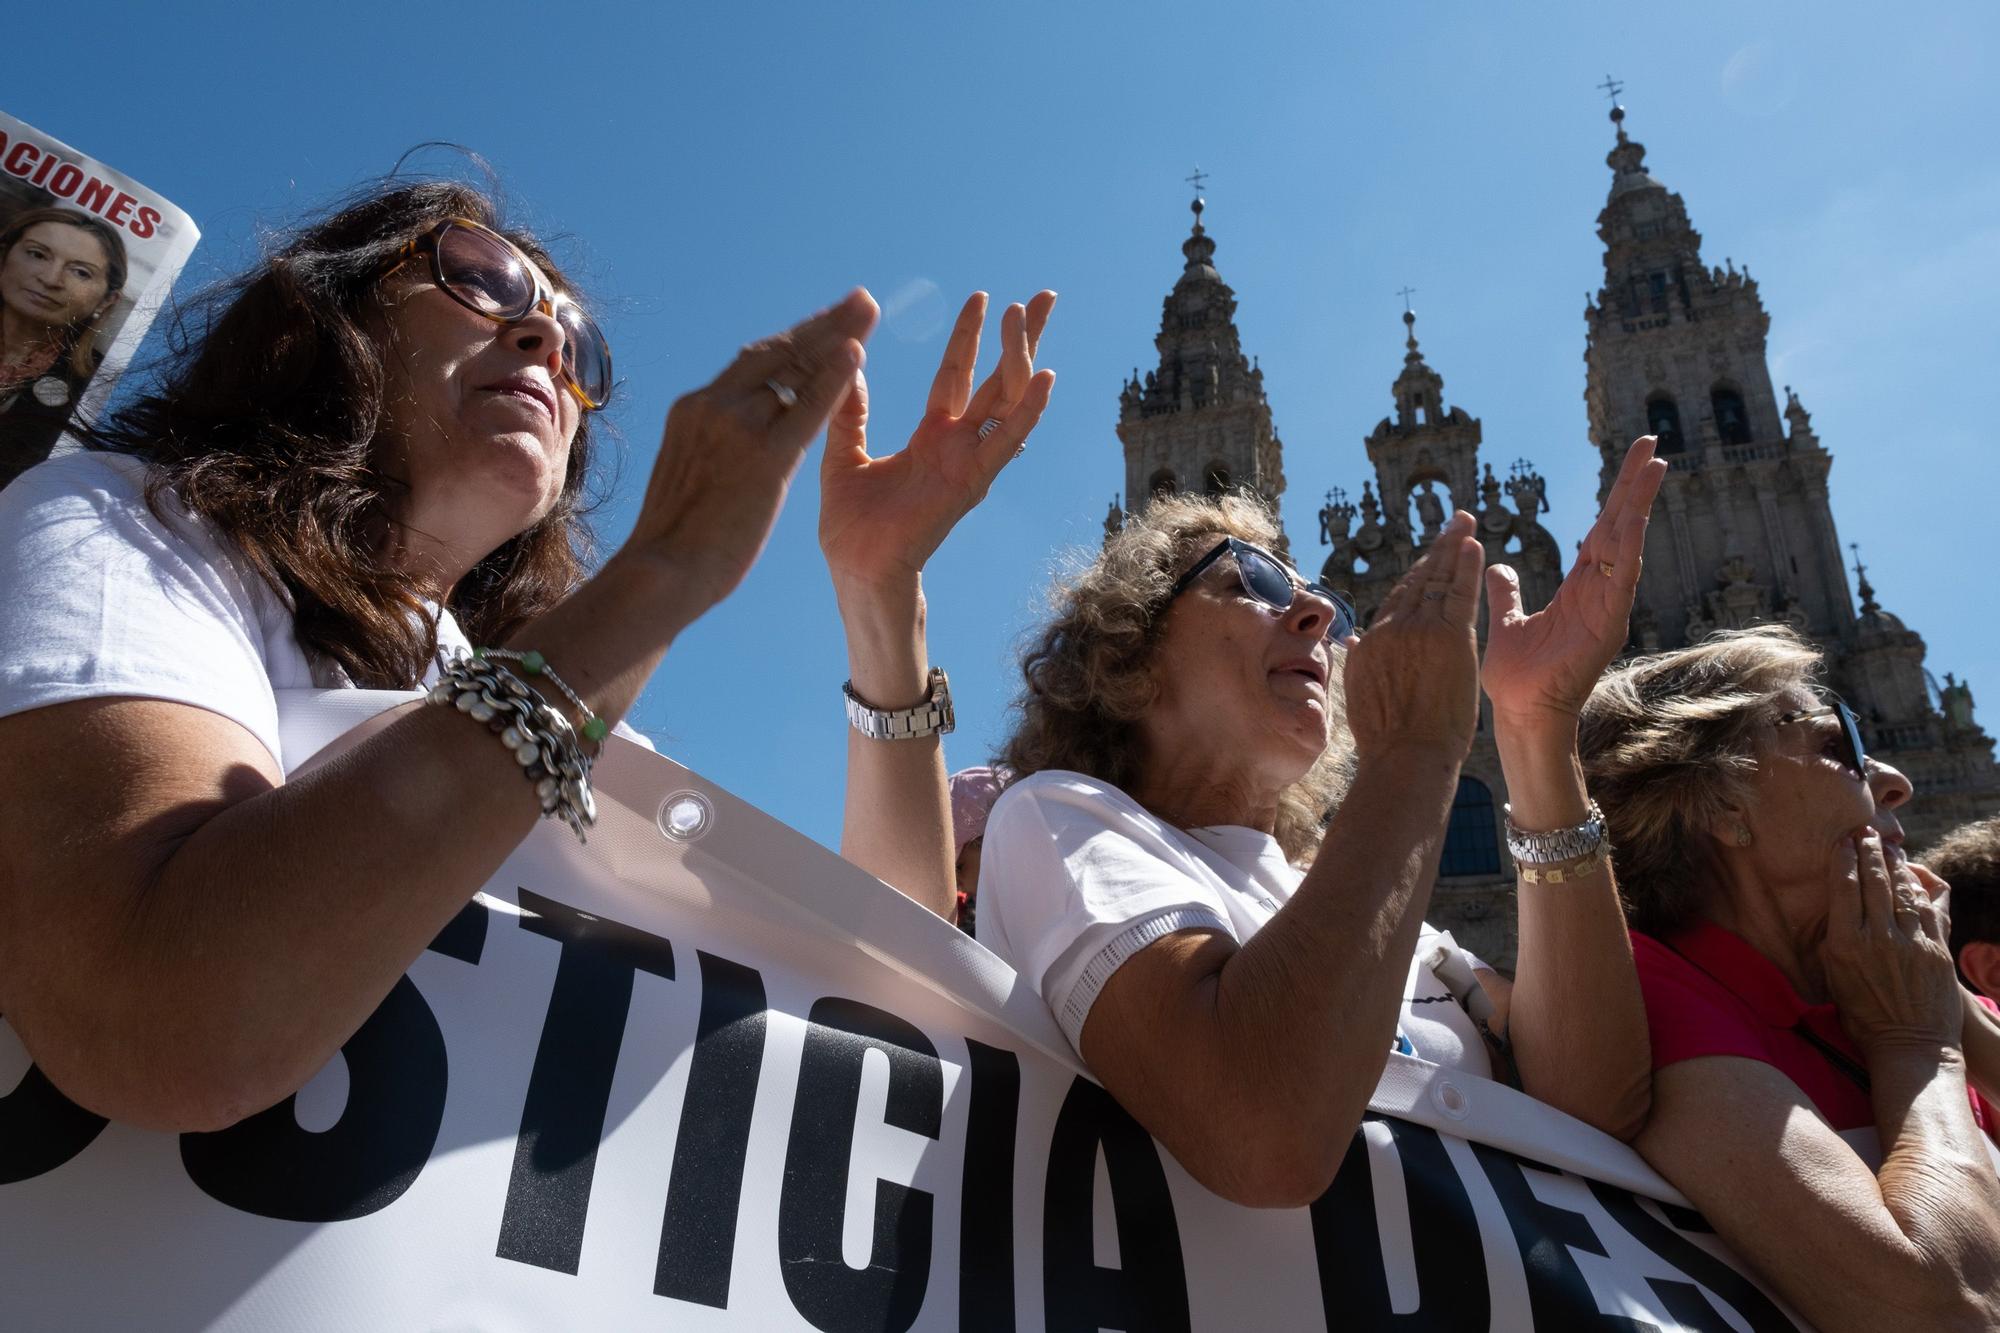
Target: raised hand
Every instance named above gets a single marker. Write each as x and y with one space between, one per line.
1413 679
1886 955
1542 667
730 448
881 518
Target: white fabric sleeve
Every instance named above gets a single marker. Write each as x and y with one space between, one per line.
103 599
1076 878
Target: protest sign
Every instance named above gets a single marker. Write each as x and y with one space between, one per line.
703 1074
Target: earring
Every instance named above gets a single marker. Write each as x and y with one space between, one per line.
1743 838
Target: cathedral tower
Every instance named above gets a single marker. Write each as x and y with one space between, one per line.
1426 459
1200 421
1743 531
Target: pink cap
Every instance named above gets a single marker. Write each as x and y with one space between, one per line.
973 791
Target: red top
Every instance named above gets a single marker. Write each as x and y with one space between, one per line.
1709 992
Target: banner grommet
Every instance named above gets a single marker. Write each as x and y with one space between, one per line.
685 816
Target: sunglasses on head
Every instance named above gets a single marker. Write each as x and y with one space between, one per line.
488 275
1850 728
1266 578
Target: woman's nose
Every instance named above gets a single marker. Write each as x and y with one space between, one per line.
1889 786
541 333
1309 613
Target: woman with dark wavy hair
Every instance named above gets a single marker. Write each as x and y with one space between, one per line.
61 273
368 456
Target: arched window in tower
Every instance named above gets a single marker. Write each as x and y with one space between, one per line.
1216 480
1472 838
1732 421
1163 482
1663 422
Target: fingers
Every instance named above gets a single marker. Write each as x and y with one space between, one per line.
1843 916
1039 309
1430 570
1503 596
803 351
1461 599
1878 900
847 428
818 397
1006 443
951 389
1003 388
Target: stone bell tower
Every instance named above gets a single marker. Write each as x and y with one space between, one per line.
1200 422
1426 460
1743 531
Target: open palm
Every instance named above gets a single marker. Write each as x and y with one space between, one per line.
881 518
1546 664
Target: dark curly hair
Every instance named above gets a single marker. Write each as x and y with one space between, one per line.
263 419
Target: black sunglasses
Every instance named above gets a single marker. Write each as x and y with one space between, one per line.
1266 578
1850 727
487 274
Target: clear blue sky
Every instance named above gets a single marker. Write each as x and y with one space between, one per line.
716 171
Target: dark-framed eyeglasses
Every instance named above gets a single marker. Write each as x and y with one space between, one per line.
488 275
1850 728
1266 578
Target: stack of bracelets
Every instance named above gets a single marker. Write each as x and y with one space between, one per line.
1567 854
541 739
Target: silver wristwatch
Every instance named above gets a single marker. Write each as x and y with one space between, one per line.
1557 845
931 716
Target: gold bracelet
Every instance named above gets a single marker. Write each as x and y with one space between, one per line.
1582 866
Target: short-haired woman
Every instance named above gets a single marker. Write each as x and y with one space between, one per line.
1798 988
61 273
371 458
1233 965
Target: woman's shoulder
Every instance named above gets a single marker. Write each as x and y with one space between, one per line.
1056 788
86 478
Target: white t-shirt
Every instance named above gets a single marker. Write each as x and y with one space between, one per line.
1075 877
100 598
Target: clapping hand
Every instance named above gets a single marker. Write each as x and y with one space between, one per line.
881 518
1542 667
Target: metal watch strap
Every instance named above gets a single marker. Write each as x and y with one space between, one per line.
1557 845
930 716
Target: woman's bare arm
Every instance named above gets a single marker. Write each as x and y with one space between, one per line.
185 938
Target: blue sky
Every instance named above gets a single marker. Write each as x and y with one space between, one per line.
715 172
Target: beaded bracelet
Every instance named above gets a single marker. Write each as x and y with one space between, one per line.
539 737
594 728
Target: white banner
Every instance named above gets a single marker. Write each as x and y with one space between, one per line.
726 1080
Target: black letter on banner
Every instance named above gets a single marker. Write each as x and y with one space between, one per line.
1683 1299
570 1089
40 1129
396 1074
1149 1290
986 1198
1558 1295
1444 1240
887 1293
698 1237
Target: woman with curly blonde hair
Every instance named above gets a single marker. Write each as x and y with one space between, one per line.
1214 863
1810 1043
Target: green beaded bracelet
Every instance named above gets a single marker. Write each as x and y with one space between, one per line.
594 728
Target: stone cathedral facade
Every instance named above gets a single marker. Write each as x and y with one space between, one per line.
1742 533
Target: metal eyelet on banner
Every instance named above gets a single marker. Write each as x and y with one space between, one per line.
1450 1099
685 816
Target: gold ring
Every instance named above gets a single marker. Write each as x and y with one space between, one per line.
1605 567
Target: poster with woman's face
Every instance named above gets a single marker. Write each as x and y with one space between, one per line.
87 256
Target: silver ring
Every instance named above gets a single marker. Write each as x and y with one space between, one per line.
988 426
788 397
1020 449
